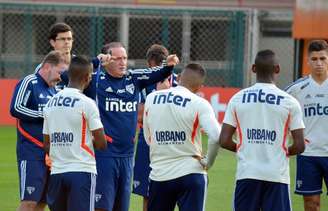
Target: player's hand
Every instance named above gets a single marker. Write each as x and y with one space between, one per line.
104 59
172 60
48 161
201 160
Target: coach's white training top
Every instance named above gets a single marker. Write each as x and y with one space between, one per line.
69 118
262 115
313 98
172 121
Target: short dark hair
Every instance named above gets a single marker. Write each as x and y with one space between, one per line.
196 68
265 62
57 28
54 58
193 75
80 66
107 47
317 45
157 53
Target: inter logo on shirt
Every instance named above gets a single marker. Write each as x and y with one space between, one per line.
113 104
259 96
168 98
315 109
63 101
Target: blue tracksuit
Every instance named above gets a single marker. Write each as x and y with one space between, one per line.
141 167
30 96
117 99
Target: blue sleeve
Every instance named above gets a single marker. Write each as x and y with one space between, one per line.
91 91
142 96
22 100
64 78
146 77
174 80
95 63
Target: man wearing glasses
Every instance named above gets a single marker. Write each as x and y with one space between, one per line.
61 39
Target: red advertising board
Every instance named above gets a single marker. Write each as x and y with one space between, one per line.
6 90
219 98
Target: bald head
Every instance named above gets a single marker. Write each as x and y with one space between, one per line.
192 77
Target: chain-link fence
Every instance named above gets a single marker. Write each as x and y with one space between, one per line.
223 41
214 38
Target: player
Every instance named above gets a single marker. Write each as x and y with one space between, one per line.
71 143
156 54
116 91
30 96
262 115
172 124
311 92
61 39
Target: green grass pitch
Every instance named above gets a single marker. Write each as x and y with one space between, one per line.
219 196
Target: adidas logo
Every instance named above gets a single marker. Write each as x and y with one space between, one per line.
109 89
307 96
41 96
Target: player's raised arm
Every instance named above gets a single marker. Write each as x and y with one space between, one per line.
146 77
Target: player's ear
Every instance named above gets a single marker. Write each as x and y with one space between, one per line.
253 68
277 69
52 43
47 66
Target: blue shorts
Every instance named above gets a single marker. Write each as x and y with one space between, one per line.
141 169
114 183
256 195
71 191
33 176
188 192
310 173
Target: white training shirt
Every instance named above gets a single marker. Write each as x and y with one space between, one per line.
172 124
69 118
314 102
262 115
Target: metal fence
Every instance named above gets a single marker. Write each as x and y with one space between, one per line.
214 38
224 41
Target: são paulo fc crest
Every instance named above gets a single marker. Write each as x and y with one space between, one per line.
30 189
136 183
97 197
130 88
